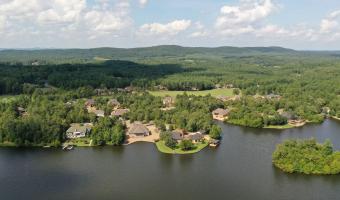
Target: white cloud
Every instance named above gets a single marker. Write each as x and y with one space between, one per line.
171 28
2 23
241 18
143 2
330 24
104 21
62 11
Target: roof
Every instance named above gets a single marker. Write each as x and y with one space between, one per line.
177 135
138 128
119 112
79 128
195 136
272 96
220 111
90 102
288 115
99 112
21 109
113 102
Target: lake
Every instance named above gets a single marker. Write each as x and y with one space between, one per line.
240 169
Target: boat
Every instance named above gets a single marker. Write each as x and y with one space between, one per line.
68 147
214 143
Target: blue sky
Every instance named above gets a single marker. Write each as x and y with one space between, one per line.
299 24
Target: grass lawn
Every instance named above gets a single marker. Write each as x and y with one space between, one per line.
287 126
214 92
7 98
8 144
164 149
79 142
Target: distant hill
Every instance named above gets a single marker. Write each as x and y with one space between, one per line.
58 56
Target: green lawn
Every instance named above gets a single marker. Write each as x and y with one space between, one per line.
287 126
80 142
7 98
214 92
164 149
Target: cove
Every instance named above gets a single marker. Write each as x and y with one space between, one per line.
240 168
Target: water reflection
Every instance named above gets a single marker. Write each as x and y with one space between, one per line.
240 168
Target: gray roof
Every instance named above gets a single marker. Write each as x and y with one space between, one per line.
195 136
138 128
176 135
288 115
114 102
84 128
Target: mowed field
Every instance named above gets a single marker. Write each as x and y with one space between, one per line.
7 98
214 93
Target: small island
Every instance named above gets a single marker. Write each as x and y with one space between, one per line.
307 157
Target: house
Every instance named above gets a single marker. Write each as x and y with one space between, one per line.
273 96
195 137
90 103
99 113
177 135
168 101
288 115
119 112
220 114
137 129
114 103
102 92
35 63
78 130
22 111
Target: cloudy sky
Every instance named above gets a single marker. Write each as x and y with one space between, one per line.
298 24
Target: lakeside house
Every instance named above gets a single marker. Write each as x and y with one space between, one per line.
137 129
195 137
177 135
114 103
119 112
220 114
78 130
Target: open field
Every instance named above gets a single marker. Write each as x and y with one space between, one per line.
164 149
214 92
7 98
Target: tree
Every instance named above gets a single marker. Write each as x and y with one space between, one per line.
215 132
186 145
171 143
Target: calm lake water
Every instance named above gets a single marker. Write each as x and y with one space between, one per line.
240 169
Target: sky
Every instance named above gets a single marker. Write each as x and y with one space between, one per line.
297 24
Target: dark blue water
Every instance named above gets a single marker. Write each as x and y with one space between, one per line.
240 169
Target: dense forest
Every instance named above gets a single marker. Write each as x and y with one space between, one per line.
307 157
42 81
